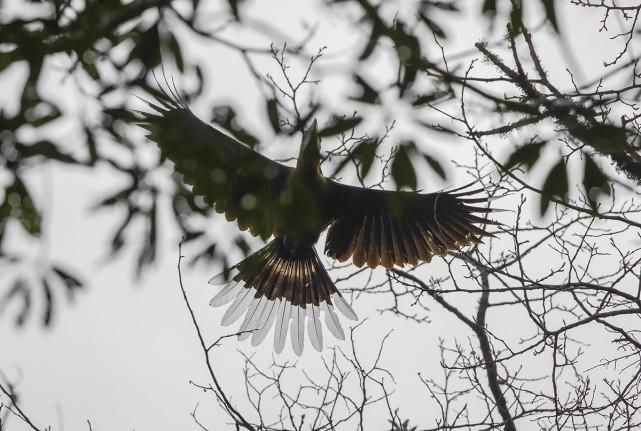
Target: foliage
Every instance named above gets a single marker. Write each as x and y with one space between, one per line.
573 143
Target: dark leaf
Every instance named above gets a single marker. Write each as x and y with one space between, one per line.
402 169
408 51
550 13
42 113
19 289
92 148
46 149
241 243
555 186
605 138
233 5
176 52
435 165
526 155
433 26
7 58
117 241
489 8
91 70
516 19
207 254
439 4
338 125
428 98
367 93
148 252
272 114
48 302
377 32
365 152
119 196
147 49
595 182
28 215
72 283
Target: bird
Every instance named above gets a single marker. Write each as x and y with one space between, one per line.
284 285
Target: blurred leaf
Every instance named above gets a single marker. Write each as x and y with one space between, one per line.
375 35
147 49
555 185
272 114
19 289
19 205
605 138
148 252
440 4
595 182
91 70
46 149
118 197
435 165
7 58
365 152
408 51
338 125
428 98
367 94
432 25
550 13
117 241
48 311
233 5
516 19
242 245
42 113
176 52
526 155
92 147
208 254
72 283
402 169
489 8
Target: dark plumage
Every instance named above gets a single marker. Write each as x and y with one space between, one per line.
284 284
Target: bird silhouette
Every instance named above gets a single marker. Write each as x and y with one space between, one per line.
284 285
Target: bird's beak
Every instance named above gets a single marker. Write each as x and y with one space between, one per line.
310 147
311 136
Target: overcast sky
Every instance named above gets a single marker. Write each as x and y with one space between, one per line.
123 355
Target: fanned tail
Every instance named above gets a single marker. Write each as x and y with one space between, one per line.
276 288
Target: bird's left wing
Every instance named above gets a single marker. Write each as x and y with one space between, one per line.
388 228
240 182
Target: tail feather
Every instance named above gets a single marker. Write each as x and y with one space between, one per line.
332 322
265 323
276 288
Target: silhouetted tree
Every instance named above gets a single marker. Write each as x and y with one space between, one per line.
567 270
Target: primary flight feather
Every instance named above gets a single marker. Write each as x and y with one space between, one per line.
284 285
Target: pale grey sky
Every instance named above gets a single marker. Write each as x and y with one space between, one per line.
124 354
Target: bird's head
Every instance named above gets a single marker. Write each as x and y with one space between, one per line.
309 155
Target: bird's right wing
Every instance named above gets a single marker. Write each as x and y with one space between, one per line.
385 227
240 182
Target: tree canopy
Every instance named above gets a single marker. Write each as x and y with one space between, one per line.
553 128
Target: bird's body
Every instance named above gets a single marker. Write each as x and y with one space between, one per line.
284 285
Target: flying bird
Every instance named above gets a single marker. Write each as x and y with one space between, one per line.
284 285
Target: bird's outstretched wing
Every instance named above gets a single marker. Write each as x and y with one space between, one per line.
388 228
240 182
